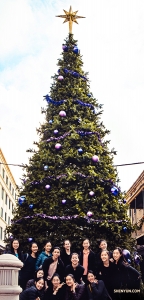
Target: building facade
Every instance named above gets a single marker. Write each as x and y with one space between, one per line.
8 195
135 199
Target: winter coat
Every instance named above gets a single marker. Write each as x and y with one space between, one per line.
60 268
30 283
107 275
65 258
30 294
78 295
99 261
41 259
77 272
48 295
97 291
91 261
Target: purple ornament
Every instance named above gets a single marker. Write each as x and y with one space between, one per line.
57 146
11 237
55 131
30 239
47 186
89 214
60 77
136 259
62 113
95 158
63 201
91 193
65 48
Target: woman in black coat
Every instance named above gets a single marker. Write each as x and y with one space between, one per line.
66 253
56 290
102 246
126 277
96 289
75 268
74 291
53 265
28 270
106 272
34 292
87 259
15 250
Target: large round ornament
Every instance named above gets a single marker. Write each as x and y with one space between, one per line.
136 259
65 48
57 146
124 201
126 254
30 239
80 150
95 158
89 214
62 113
89 95
63 201
115 191
45 168
91 193
125 229
55 131
21 200
31 206
60 77
47 186
50 121
75 50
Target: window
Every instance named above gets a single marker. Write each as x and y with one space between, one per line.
5 216
10 186
2 195
1 212
9 204
3 173
12 207
8 220
13 191
7 180
6 199
1 230
15 196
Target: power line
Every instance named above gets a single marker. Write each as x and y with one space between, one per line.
121 165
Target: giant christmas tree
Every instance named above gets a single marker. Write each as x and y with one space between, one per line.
70 184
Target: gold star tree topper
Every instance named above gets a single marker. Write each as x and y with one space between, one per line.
70 16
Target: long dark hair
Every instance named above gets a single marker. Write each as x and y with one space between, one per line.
20 253
30 251
122 259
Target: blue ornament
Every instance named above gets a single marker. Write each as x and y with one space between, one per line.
21 200
31 206
45 168
75 50
124 228
124 201
89 95
75 74
58 71
115 191
80 150
136 259
129 261
50 121
55 131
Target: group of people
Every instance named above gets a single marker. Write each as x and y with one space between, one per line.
63 275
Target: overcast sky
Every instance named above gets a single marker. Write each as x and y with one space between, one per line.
111 40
